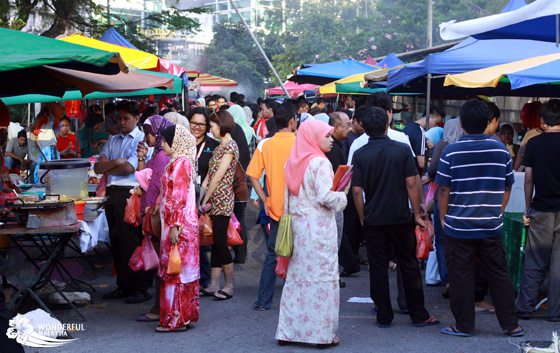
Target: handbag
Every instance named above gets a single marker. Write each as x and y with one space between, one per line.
285 238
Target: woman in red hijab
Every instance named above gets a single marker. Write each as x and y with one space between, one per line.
310 298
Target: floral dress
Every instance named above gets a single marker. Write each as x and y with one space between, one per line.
310 297
179 293
223 197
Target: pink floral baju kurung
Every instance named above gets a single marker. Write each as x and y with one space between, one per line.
179 293
310 298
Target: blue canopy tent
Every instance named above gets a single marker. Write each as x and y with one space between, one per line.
321 74
469 55
536 21
113 37
389 62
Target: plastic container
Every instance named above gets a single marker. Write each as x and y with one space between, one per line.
80 206
66 177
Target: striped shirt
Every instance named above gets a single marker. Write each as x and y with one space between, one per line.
477 170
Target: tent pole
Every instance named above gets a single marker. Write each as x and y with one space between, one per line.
429 84
260 48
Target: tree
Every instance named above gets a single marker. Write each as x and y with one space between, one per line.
87 17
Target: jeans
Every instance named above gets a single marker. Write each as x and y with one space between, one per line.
10 163
268 275
438 234
205 266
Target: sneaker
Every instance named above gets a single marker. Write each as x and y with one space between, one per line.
116 294
260 308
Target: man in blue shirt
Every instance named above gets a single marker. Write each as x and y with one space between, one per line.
475 176
119 160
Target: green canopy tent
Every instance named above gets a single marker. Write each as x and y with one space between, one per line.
22 50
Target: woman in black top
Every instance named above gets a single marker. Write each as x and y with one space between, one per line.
199 119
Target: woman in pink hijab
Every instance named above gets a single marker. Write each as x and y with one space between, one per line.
310 298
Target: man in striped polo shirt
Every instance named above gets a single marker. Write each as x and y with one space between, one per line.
475 176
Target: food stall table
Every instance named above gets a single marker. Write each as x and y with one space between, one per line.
60 236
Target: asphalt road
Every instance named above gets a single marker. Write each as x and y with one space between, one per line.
233 325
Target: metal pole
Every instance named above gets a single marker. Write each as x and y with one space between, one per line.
260 48
109 13
429 84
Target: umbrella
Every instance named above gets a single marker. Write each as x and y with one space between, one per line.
214 81
536 21
147 79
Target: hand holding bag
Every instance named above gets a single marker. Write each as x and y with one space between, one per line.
174 266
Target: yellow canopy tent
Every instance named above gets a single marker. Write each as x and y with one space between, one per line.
140 59
330 88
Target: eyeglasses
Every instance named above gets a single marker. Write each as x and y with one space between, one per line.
199 125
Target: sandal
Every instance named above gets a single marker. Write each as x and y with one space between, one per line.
335 342
519 333
162 329
452 330
204 293
430 322
145 318
226 295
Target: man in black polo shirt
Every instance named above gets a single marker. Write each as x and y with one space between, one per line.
385 172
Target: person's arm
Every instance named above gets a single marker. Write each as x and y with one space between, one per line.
528 188
357 194
222 169
519 159
432 169
260 192
104 165
507 193
142 151
412 190
421 160
443 202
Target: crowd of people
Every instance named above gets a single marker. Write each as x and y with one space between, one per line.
281 158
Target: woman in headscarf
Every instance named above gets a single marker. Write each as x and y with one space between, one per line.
240 119
91 137
177 119
452 132
179 220
310 298
153 126
200 103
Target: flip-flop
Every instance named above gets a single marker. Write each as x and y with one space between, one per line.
454 332
226 295
516 334
373 310
380 325
328 345
487 310
430 322
204 293
144 318
177 329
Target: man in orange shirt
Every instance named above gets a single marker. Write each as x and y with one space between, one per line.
271 155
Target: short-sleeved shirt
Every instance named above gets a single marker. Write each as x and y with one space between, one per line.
541 154
271 156
380 169
415 133
477 170
123 146
15 148
63 143
222 199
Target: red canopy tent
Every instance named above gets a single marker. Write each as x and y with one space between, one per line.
294 89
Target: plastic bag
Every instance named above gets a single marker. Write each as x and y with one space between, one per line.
205 230
431 192
174 266
147 228
424 240
282 266
233 220
149 255
132 210
284 245
136 263
233 237
102 186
